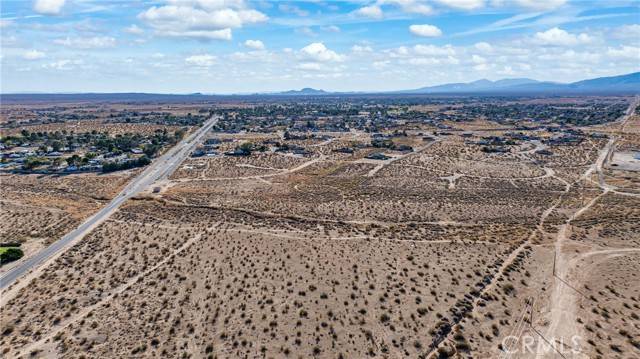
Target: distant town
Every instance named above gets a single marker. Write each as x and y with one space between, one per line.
31 148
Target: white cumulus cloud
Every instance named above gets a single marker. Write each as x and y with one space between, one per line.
359 49
254 44
409 6
63 64
310 66
200 19
97 42
424 61
433 50
477 59
48 7
134 30
559 37
485 47
379 65
372 11
624 53
628 32
463 4
204 60
425 30
317 52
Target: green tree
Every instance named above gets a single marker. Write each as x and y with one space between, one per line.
56 145
246 147
74 160
151 150
10 255
57 161
33 162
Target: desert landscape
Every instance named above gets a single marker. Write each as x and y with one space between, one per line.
432 233
62 163
333 179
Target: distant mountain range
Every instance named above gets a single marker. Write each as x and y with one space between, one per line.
623 84
475 86
307 91
629 83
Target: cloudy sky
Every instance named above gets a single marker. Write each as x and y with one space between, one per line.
241 46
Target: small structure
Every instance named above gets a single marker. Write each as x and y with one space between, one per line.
299 151
377 156
404 148
237 152
347 150
197 153
212 141
495 149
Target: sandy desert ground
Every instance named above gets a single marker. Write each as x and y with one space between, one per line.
444 251
39 209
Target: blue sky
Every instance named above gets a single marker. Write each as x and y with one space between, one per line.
242 46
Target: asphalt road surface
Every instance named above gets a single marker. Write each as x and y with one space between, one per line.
159 169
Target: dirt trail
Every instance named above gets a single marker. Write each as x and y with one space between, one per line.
630 111
385 163
500 272
549 172
563 301
609 251
452 179
279 172
538 146
562 312
323 220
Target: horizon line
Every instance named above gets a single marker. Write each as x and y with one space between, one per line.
328 92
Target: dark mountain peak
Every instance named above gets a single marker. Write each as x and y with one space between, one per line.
515 81
629 83
481 82
632 79
304 91
310 90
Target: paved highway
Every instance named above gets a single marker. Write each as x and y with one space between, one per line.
159 169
